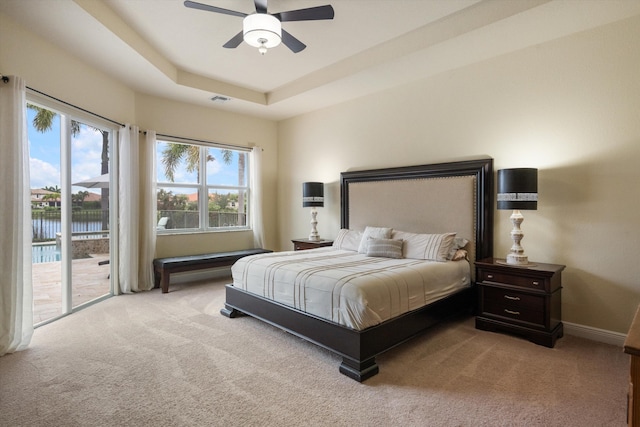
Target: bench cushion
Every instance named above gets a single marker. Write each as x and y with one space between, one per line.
188 260
163 267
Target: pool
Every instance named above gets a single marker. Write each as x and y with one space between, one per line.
44 253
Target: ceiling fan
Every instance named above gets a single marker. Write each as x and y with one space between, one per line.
264 30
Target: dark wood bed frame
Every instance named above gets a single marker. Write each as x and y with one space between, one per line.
359 348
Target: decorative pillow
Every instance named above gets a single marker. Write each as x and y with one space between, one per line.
458 243
434 247
373 232
459 255
386 248
348 240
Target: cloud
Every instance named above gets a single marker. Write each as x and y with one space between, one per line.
213 167
86 147
43 174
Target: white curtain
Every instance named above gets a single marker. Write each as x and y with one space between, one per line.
16 291
148 207
256 202
128 212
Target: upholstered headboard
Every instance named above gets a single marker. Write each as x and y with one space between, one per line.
437 198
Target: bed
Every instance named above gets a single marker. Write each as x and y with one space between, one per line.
437 199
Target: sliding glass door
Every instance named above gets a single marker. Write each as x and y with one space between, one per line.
70 197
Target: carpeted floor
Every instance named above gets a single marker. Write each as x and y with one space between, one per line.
172 360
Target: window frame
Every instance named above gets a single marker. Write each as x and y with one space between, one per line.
67 113
203 187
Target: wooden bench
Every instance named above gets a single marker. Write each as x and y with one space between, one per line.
163 267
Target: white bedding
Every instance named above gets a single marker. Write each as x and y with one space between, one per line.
346 287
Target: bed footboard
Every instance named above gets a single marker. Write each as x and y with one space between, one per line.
359 371
357 348
230 312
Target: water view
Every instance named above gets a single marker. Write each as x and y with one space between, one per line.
44 230
48 252
47 229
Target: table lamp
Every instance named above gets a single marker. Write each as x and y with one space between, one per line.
517 190
313 196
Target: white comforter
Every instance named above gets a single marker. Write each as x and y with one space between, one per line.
346 287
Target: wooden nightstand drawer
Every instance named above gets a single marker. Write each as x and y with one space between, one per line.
513 305
513 279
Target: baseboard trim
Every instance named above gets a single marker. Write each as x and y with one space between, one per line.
594 334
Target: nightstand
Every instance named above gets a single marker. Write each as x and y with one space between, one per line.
302 244
520 300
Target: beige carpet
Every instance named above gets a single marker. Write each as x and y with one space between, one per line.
173 360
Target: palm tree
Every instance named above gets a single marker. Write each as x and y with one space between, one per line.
174 153
54 196
43 122
79 197
227 156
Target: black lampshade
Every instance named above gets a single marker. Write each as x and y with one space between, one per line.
518 189
312 194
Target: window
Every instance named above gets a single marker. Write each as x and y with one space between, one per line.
201 187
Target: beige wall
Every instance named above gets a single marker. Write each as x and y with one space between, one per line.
61 75
188 121
570 108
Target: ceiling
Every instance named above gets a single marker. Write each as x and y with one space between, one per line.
162 48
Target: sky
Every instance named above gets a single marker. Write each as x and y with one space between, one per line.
44 155
218 172
86 149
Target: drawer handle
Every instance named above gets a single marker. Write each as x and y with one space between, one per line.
535 283
515 313
489 276
512 298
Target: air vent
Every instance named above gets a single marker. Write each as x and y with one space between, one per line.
220 98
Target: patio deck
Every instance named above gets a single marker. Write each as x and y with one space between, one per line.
89 280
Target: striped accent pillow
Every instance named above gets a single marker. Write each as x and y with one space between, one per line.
385 248
348 240
434 247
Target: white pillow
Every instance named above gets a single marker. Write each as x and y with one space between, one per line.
385 248
434 247
458 244
375 233
348 240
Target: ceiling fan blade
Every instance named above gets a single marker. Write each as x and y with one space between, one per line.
206 7
309 14
292 43
261 6
234 42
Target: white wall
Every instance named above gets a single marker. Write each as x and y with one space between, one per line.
570 108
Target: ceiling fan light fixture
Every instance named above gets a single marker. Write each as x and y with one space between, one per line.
262 30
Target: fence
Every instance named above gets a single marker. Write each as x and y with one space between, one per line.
46 224
85 223
191 219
